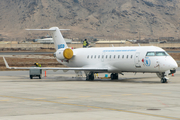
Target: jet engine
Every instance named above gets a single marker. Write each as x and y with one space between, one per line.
64 54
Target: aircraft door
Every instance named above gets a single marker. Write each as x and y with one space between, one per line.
137 60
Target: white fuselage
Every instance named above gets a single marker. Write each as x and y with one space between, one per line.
109 59
122 59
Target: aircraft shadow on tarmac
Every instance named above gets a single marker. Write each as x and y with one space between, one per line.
73 79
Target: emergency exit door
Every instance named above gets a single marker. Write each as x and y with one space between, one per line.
102 57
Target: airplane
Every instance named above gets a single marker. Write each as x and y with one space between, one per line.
114 60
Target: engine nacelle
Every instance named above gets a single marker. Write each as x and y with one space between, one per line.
64 54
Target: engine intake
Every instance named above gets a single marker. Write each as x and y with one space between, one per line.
64 54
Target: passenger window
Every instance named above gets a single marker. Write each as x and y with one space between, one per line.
106 56
91 56
127 56
150 54
110 56
88 57
99 56
123 56
114 56
95 56
131 56
118 56
102 56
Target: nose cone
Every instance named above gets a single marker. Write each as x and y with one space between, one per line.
174 64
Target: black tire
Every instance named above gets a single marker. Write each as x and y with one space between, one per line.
31 77
163 80
39 76
92 77
116 75
112 76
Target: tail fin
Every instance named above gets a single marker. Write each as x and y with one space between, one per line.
58 39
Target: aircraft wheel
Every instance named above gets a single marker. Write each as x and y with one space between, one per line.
31 77
90 76
163 80
39 76
114 76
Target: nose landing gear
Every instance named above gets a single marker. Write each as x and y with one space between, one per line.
164 80
163 76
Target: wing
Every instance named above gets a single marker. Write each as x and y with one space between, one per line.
55 68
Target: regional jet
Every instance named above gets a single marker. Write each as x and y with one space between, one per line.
114 60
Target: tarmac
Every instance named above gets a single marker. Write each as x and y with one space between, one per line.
64 96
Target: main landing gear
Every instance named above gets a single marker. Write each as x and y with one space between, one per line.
90 76
114 76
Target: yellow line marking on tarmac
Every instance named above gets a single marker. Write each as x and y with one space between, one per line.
140 113
146 93
105 95
126 94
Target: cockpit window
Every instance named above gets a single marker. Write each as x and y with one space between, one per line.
161 54
158 53
150 54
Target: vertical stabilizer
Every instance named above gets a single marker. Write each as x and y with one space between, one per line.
58 39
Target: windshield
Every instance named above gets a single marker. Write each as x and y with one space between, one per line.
158 53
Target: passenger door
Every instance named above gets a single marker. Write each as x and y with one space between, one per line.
137 60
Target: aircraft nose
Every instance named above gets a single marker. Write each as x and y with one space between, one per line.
174 64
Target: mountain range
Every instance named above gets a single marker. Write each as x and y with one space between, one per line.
106 19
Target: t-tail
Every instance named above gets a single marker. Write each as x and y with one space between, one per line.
58 39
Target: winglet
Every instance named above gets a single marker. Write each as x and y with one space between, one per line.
7 66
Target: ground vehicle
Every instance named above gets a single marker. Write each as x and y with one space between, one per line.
35 73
